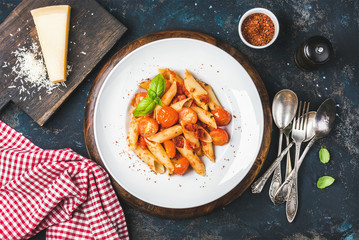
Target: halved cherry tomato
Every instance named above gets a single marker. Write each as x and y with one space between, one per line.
142 142
181 165
137 98
167 116
170 148
219 136
147 127
179 98
187 115
222 117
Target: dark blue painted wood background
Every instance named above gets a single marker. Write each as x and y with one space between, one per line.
331 213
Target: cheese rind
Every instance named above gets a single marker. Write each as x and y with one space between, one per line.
52 25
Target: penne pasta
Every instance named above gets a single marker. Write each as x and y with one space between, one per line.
205 116
213 101
167 98
191 156
180 104
199 151
132 136
145 84
189 132
167 134
207 148
175 78
204 135
148 158
196 90
183 132
159 152
170 75
169 95
165 73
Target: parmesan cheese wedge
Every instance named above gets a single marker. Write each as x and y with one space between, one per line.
52 25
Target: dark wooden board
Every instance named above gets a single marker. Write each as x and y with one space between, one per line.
93 32
236 191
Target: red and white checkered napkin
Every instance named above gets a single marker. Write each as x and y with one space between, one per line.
59 190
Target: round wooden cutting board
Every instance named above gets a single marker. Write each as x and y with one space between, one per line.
228 197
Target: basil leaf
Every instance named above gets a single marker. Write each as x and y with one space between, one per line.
158 85
324 155
151 94
158 101
325 181
144 107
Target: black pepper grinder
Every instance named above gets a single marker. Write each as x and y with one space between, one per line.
313 53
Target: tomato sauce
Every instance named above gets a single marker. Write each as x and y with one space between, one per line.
203 98
179 141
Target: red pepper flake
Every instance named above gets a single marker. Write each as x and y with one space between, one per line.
258 29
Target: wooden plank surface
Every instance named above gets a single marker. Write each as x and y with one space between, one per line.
237 190
93 32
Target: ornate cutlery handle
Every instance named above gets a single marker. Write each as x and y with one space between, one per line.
282 192
277 175
292 202
258 185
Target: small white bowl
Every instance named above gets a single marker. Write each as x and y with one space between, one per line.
269 14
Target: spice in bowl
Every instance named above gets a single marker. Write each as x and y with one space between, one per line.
258 29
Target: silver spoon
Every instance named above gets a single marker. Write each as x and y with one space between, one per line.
321 127
281 198
258 185
284 107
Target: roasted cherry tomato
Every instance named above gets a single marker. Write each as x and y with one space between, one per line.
142 142
187 115
138 97
147 127
219 136
181 165
222 117
170 148
167 116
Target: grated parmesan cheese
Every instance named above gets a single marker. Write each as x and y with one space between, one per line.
30 72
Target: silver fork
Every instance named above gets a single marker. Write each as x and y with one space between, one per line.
299 130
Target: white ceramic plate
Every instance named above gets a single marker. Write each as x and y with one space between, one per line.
236 92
